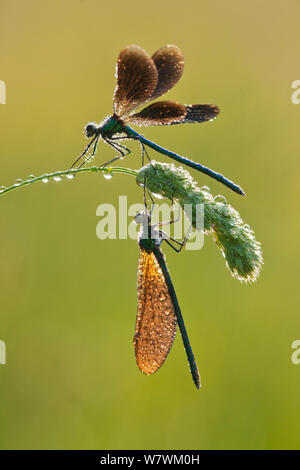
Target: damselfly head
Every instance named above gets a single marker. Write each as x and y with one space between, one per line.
141 218
90 129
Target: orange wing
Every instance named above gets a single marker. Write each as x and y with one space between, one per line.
156 320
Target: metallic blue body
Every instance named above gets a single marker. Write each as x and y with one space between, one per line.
185 161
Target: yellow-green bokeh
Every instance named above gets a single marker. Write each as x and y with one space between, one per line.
68 300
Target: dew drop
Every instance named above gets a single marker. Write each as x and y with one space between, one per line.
70 177
57 178
158 196
220 198
107 176
45 180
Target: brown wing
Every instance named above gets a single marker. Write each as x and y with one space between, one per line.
156 320
137 78
169 112
169 62
200 113
159 114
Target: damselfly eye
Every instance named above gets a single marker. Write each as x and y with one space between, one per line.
139 217
90 129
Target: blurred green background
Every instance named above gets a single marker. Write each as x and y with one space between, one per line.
68 300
